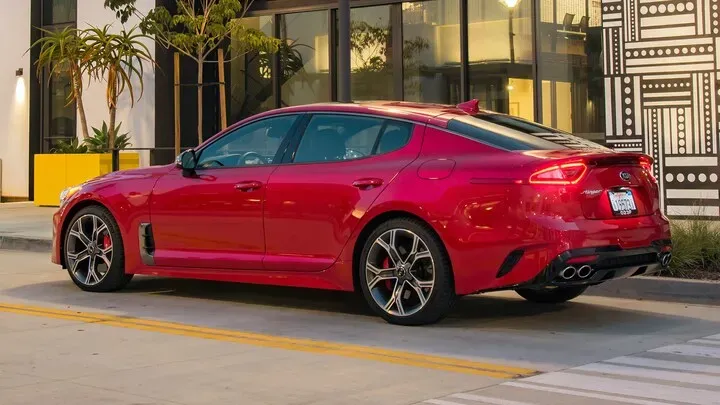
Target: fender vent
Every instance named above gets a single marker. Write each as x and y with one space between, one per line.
509 263
147 244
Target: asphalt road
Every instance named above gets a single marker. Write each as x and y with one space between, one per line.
164 341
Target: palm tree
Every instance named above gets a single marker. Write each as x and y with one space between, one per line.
117 58
65 52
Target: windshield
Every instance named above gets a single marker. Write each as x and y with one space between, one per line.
512 133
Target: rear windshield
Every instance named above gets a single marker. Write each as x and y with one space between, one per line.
512 133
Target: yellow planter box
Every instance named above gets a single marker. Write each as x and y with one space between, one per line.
57 171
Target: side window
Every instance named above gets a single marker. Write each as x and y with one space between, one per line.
394 137
254 144
330 138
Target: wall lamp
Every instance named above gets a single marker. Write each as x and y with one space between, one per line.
19 72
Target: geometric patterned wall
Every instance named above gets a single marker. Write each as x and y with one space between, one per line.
662 94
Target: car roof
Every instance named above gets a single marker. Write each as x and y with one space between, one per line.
423 112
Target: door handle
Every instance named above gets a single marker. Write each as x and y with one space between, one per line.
367 183
248 185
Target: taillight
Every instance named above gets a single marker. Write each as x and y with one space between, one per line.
564 174
646 164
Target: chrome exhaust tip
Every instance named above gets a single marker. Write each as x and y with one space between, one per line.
665 259
568 272
585 271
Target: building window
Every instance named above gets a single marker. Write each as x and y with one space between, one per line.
58 110
570 67
305 58
59 12
251 84
431 51
371 57
501 55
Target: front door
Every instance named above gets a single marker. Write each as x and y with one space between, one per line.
341 165
214 219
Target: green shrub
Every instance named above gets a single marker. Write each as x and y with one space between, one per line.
696 249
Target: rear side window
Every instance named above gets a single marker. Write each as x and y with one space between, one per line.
511 133
330 137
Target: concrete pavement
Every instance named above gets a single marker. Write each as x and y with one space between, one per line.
82 361
24 226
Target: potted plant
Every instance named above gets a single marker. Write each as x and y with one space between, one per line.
115 59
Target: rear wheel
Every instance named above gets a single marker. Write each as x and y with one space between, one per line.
405 274
93 250
554 295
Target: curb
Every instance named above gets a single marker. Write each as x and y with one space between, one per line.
660 289
25 244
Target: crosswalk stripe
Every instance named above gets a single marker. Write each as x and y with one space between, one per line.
488 400
705 342
687 373
653 374
624 387
440 402
665 364
585 394
690 350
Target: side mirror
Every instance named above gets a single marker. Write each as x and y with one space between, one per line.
187 161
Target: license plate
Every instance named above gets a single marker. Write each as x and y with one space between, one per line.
622 202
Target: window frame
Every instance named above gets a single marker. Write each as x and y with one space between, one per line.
289 157
282 149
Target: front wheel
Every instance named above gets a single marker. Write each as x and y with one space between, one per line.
93 250
405 273
554 295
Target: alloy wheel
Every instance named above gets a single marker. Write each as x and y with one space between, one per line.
400 272
89 249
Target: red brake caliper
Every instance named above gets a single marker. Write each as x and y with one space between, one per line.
107 241
388 283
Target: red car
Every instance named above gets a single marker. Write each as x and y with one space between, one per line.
412 204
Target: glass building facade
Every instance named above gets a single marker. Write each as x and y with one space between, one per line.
537 59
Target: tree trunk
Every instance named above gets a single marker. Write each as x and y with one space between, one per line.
111 130
223 100
77 90
200 100
112 107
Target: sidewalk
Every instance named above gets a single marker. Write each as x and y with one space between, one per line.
24 226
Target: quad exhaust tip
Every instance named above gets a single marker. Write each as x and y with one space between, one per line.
568 272
585 271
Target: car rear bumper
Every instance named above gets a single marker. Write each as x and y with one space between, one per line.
591 266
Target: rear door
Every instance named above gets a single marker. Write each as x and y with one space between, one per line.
341 164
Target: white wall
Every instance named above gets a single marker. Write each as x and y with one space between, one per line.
139 120
14 99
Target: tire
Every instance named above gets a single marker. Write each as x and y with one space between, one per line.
427 272
555 295
100 243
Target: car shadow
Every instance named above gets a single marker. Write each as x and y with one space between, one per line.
482 312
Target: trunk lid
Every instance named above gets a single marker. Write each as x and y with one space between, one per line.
616 185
